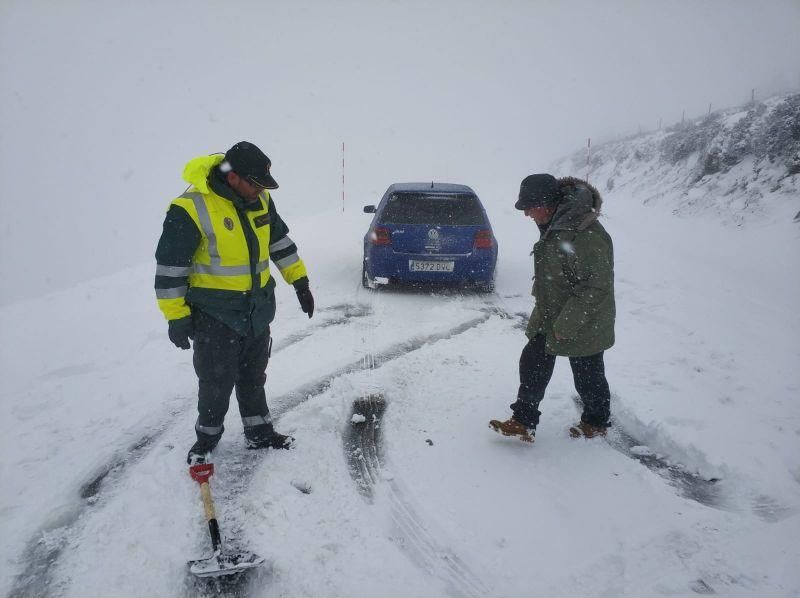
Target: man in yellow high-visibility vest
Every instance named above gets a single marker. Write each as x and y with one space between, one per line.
213 285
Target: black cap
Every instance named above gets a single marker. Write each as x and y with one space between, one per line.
538 191
250 163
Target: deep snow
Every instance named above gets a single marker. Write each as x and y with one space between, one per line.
101 106
704 371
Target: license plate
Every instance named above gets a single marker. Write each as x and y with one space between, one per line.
438 266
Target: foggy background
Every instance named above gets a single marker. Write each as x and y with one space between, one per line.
104 102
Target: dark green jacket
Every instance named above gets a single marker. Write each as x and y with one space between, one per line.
574 276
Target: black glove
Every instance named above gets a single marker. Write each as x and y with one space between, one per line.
180 331
304 296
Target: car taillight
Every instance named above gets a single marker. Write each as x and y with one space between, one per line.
484 239
380 236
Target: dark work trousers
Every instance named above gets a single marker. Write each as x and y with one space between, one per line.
535 370
223 359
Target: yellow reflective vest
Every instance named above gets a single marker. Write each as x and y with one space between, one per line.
227 272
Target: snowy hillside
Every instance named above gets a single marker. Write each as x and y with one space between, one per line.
738 164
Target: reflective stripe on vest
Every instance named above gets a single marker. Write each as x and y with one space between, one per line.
287 261
173 271
205 221
173 293
229 270
280 244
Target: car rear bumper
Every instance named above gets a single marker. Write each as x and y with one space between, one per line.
478 266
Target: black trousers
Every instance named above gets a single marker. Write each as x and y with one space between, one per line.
535 371
225 360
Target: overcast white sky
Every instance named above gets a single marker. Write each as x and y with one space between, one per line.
103 102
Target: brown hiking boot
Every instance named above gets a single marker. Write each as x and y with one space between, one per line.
587 430
512 427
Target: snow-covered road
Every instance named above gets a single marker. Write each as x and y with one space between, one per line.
99 409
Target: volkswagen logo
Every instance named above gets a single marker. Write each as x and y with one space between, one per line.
434 244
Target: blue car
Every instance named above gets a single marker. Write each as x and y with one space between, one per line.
429 233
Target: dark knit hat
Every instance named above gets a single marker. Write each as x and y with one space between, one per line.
250 163
538 191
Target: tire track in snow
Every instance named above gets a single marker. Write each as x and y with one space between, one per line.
710 491
350 311
364 453
361 442
44 549
689 484
240 470
424 550
292 399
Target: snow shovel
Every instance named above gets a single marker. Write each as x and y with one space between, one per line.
220 563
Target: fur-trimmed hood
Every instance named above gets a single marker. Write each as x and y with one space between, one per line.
579 206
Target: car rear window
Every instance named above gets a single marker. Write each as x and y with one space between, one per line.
430 208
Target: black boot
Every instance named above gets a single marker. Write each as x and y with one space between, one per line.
265 436
199 453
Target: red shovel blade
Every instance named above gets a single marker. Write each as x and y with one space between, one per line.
202 472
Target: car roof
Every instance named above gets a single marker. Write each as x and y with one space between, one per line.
429 187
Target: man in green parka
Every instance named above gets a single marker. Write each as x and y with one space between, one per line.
574 311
